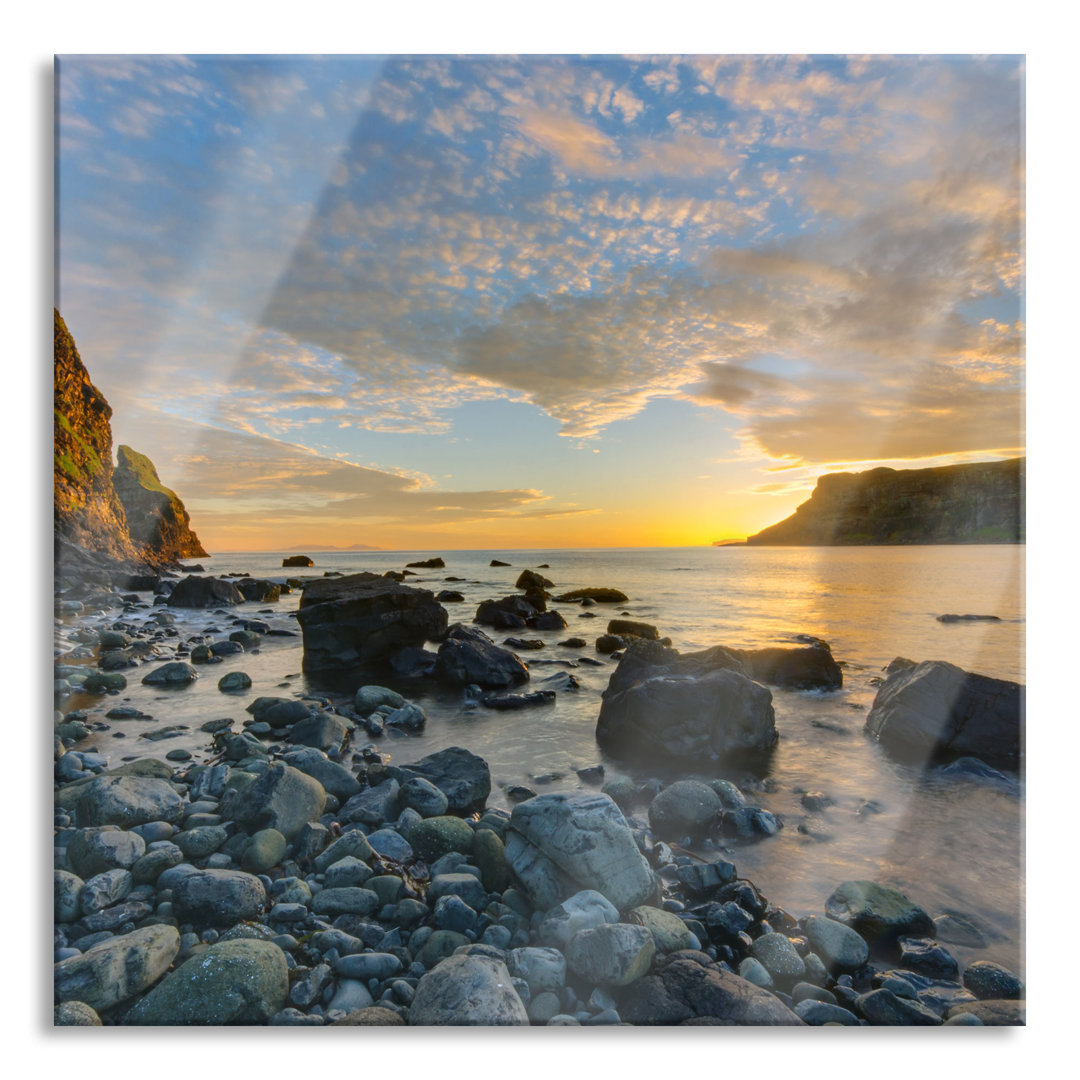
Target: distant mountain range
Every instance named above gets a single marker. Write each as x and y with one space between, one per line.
979 503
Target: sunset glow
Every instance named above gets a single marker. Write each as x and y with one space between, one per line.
539 302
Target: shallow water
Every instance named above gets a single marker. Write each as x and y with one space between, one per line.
951 845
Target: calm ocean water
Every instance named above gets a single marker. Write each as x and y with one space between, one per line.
950 845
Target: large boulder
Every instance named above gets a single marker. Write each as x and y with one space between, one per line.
467 990
685 717
282 798
685 990
561 843
462 776
244 981
117 969
877 912
218 897
204 592
935 708
127 801
362 619
469 656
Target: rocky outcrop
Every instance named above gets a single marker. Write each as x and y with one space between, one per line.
363 619
980 503
936 709
156 518
102 512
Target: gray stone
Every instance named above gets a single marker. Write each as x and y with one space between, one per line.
334 777
153 864
92 851
423 797
840 948
373 805
582 911
266 850
542 968
685 808
369 698
218 897
231 982
235 682
66 889
323 731
754 971
877 912
884 1008
409 717
346 872
927 957
467 990
283 798
345 901
615 954
819 1013
364 966
436 837
199 842
351 996
669 932
390 844
118 968
462 776
468 656
465 886
127 801
561 843
989 981
778 956
353 843
104 890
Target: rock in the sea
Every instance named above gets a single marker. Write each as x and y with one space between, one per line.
234 683
170 675
992 982
685 808
936 708
561 843
703 718
467 990
297 560
428 564
204 592
117 969
599 595
877 912
469 656
232 982
362 619
684 990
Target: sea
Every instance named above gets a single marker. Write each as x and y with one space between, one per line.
952 845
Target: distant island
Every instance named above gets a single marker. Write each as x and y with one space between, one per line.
979 503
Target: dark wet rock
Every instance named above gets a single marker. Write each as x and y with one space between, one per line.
280 712
467 990
606 644
597 595
282 798
685 808
412 662
524 643
561 843
231 982
624 627
100 682
547 620
259 591
373 805
66 889
883 1008
469 656
819 1013
450 596
937 708
352 843
749 823
323 731
877 912
297 560
968 618
234 682
992 1013
362 619
992 982
218 897
335 778
508 613
704 718
204 592
529 579
517 701
957 929
684 990
173 674
926 957
117 969
462 776
93 851
428 564
702 879
498 562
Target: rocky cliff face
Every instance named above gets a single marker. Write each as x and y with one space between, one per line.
156 518
124 512
981 503
86 508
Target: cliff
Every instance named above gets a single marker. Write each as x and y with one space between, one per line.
980 503
119 513
156 518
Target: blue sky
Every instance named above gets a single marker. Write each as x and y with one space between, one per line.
498 301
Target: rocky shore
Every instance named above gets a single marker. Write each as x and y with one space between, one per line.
295 876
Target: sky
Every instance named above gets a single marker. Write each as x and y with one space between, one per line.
547 301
